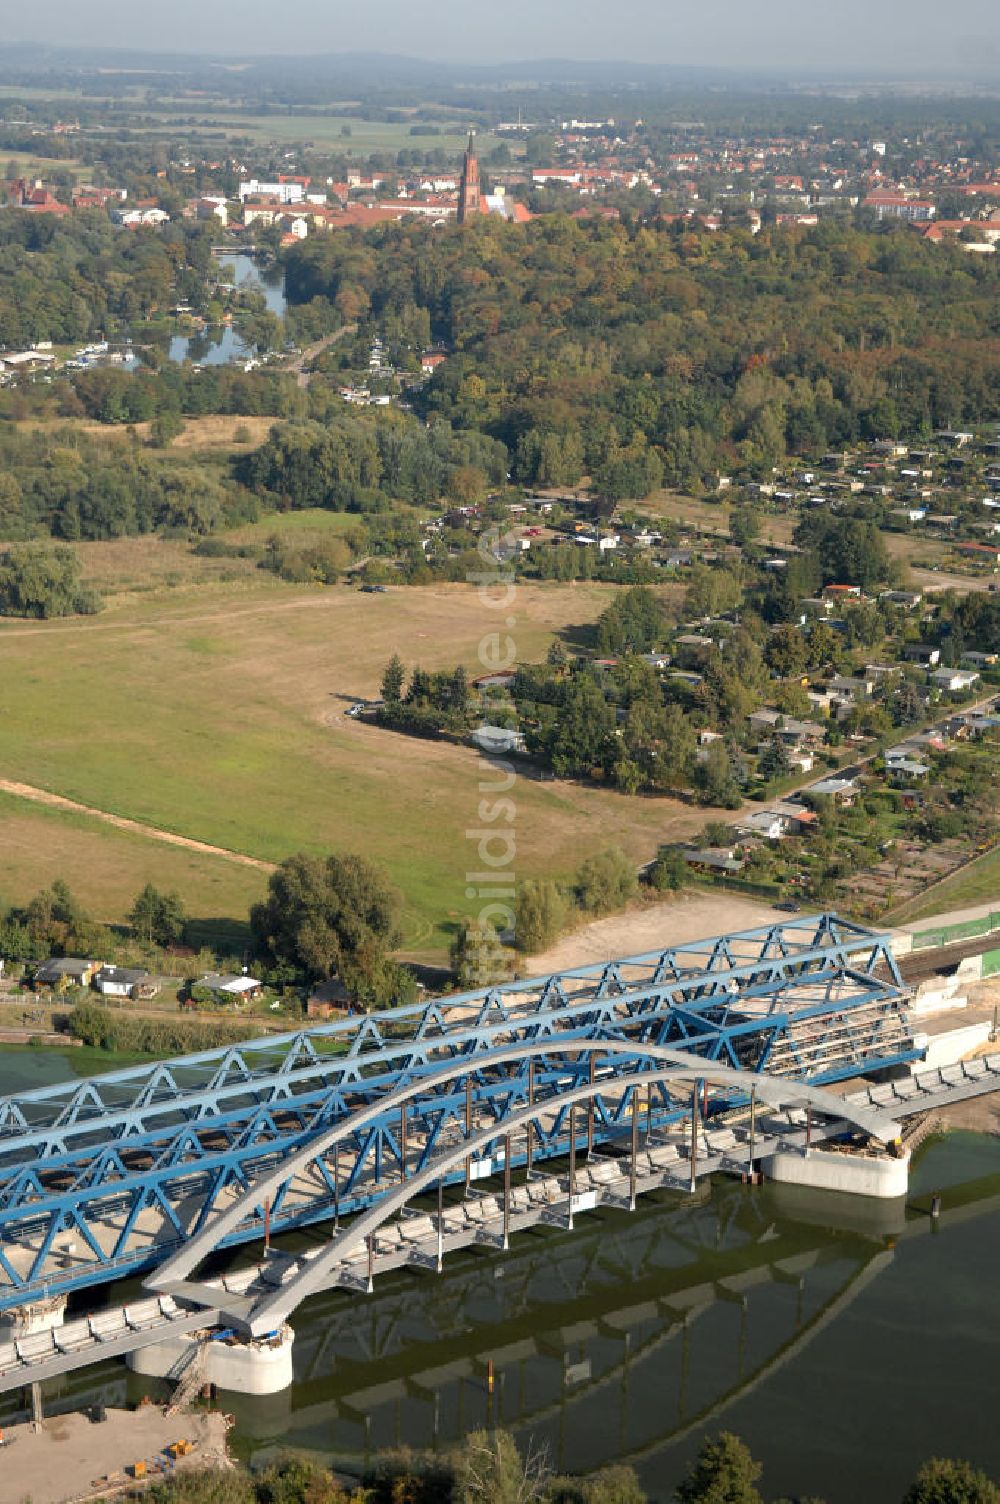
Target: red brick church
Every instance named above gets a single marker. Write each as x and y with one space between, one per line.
468 188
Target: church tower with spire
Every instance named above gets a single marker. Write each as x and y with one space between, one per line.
468 188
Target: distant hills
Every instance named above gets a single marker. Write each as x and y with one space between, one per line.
371 70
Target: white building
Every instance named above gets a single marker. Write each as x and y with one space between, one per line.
288 193
136 217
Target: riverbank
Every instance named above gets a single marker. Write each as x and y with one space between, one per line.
70 1458
39 1040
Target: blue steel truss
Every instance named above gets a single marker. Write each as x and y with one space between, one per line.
87 1169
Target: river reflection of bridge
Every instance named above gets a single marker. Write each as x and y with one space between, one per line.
604 1344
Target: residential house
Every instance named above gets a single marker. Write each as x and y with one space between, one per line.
498 741
212 208
980 553
716 859
780 821
946 520
953 680
786 728
846 687
842 790
813 606
329 999
908 599
822 701
124 981
60 972
917 745
693 647
906 770
227 987
922 653
981 725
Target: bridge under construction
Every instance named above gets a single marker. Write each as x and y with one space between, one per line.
643 1073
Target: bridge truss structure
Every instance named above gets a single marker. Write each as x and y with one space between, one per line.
116 1174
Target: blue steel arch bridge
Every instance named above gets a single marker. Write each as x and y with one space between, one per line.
121 1173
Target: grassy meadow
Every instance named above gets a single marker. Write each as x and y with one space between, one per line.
217 713
977 883
106 867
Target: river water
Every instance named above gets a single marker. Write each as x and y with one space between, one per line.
218 346
844 1340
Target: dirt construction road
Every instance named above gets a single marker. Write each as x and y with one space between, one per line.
653 926
72 1458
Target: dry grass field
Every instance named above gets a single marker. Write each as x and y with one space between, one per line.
214 433
712 517
218 713
218 432
153 564
106 867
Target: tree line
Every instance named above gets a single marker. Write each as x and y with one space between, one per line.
633 353
488 1468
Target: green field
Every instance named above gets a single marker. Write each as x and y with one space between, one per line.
302 526
37 164
977 883
218 713
324 132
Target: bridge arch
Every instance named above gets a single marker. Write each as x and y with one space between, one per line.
676 1064
314 1276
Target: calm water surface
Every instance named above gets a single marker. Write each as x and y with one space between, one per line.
217 347
844 1340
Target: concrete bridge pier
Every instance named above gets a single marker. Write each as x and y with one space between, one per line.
879 1175
39 1316
243 1365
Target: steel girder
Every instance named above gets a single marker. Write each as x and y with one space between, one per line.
118 1151
776 951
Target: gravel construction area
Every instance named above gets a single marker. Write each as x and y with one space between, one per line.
654 926
72 1458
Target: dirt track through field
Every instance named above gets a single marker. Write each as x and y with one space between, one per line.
56 801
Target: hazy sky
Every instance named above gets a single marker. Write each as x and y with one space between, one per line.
887 36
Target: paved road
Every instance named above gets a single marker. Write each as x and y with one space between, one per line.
952 916
299 366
